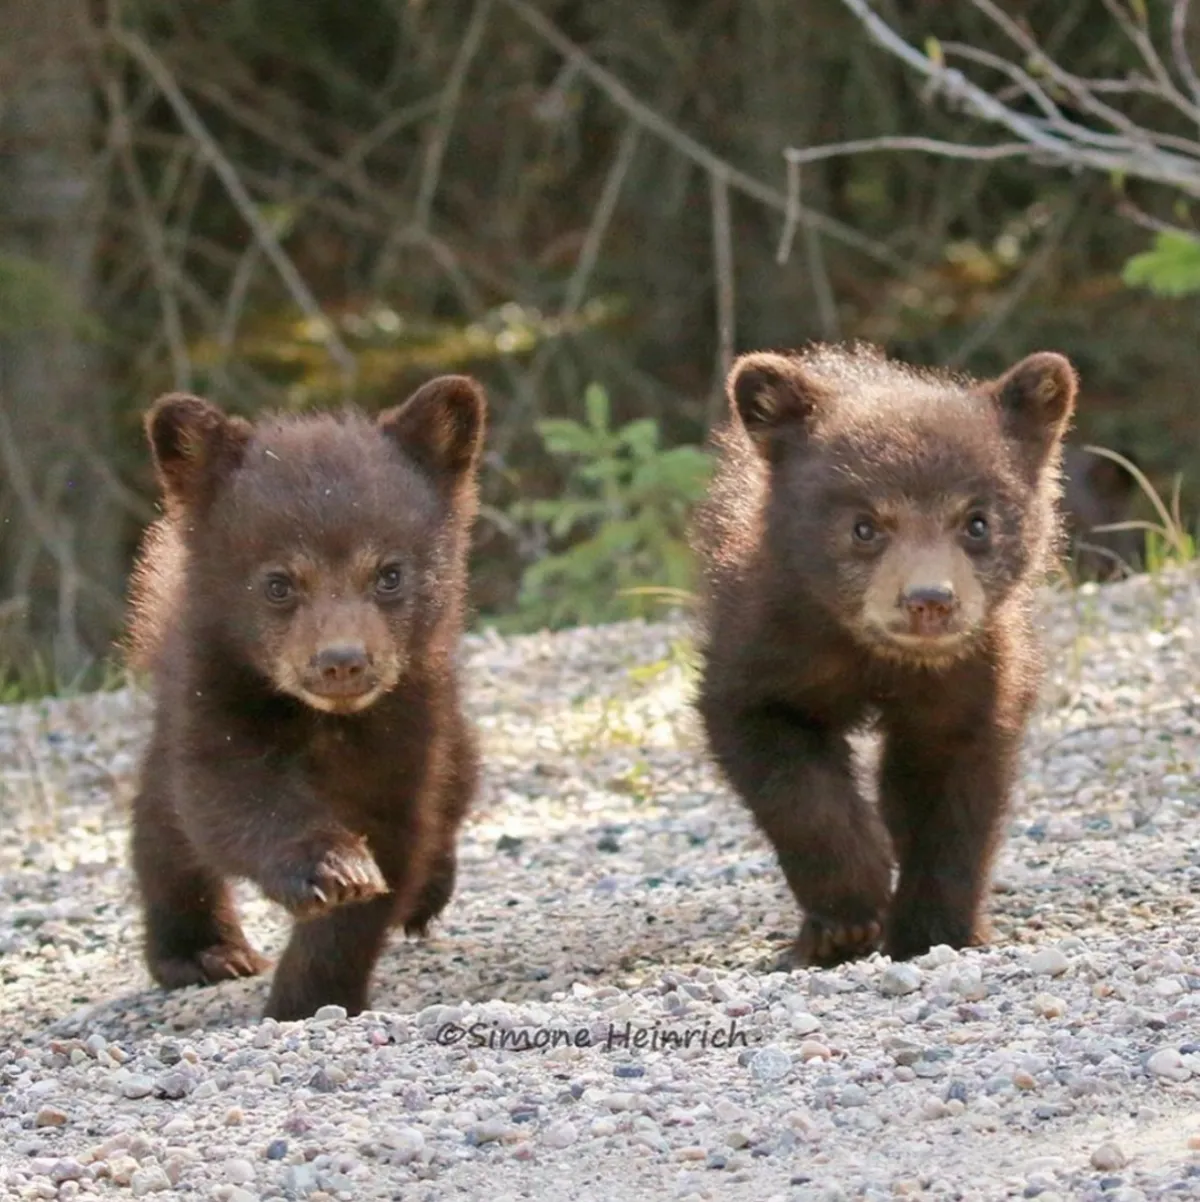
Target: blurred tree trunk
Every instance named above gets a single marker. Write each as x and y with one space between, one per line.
59 532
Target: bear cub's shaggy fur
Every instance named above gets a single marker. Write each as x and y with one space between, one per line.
870 544
300 606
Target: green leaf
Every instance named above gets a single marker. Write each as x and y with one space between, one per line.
595 403
572 513
641 437
1171 268
603 471
561 436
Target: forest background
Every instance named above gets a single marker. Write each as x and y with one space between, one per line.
590 206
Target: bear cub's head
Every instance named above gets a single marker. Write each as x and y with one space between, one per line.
907 504
320 552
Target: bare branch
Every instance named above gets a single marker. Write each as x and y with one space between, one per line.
949 150
1132 212
1078 91
589 252
791 215
723 271
451 95
1054 118
54 541
818 273
1144 47
161 267
1138 157
1183 60
683 143
822 287
1024 81
241 199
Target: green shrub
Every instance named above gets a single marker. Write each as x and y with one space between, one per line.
620 522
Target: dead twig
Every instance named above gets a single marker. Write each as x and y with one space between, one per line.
1133 151
242 201
55 542
722 234
161 268
447 108
683 143
1183 60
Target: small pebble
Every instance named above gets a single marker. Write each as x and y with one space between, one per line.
1168 1064
1108 1158
900 979
239 1171
803 1023
150 1180
404 1144
560 1135
1046 1005
67 1169
135 1085
771 1064
322 1081
121 1169
487 1132
1048 962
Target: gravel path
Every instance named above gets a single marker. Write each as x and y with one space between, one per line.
611 895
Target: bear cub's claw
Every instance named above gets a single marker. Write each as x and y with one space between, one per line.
219 962
826 941
324 880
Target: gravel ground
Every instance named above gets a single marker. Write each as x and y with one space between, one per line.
612 896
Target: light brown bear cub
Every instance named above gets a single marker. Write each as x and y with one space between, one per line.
871 545
300 606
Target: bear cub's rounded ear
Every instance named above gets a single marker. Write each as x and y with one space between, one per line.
193 443
770 392
441 425
1037 396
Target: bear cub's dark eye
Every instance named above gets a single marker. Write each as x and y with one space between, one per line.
389 580
977 527
865 530
279 588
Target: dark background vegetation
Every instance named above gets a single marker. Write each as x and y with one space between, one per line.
275 203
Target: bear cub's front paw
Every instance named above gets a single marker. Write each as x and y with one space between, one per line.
321 878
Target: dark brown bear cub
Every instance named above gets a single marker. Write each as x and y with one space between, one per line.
870 545
300 605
